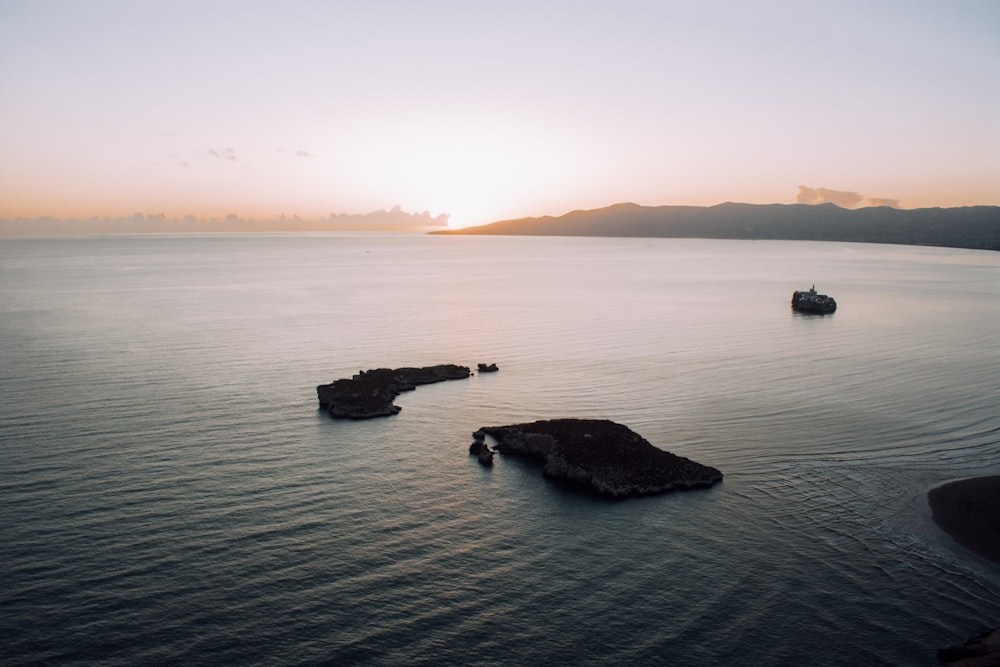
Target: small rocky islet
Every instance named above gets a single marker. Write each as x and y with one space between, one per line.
371 393
810 301
604 456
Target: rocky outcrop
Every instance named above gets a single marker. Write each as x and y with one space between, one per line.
487 368
371 393
983 650
606 457
480 449
808 301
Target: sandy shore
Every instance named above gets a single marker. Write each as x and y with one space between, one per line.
969 511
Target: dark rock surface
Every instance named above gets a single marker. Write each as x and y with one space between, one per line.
983 650
809 301
371 393
607 457
488 368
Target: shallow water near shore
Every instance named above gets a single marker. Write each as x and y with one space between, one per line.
171 494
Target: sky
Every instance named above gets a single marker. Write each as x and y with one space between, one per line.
493 110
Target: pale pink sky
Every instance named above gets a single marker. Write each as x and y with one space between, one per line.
491 110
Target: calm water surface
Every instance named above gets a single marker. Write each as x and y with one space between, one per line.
170 494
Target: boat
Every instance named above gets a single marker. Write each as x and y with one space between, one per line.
813 302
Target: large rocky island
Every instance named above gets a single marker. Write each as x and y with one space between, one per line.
371 393
604 456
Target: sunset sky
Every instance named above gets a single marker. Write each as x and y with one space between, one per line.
492 110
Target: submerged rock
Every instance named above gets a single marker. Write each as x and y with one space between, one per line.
607 457
371 393
487 368
982 650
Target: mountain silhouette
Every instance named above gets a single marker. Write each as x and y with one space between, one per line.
975 227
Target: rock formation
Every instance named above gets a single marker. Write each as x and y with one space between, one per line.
480 449
606 457
488 368
808 301
371 393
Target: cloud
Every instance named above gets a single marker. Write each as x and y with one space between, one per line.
842 198
224 154
882 201
806 195
299 153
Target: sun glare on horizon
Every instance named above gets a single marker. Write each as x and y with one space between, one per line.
475 167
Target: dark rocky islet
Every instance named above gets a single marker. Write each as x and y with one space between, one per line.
371 393
606 457
810 301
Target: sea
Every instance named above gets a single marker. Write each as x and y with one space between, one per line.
170 493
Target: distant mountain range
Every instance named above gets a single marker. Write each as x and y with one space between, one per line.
966 227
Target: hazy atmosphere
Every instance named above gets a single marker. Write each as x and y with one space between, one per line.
485 111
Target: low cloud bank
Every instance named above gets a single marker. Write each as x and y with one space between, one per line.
842 198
